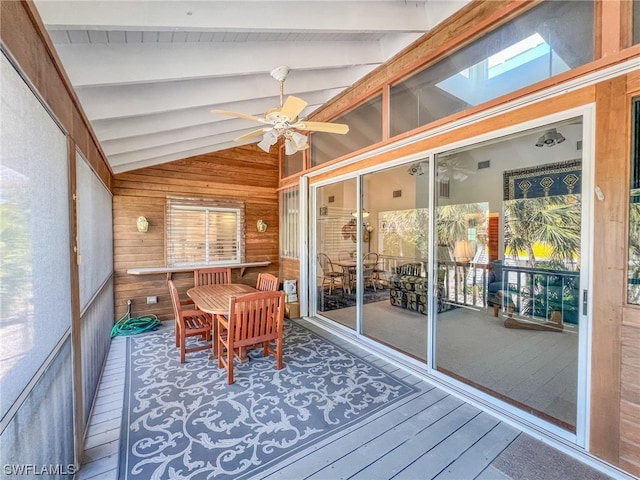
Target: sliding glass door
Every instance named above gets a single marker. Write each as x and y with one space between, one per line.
510 233
394 257
336 246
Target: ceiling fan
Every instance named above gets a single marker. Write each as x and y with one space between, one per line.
283 122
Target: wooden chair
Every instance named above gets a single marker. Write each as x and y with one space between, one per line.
267 282
189 323
253 318
211 276
371 271
329 274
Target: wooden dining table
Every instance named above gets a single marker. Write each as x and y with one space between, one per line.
349 270
214 299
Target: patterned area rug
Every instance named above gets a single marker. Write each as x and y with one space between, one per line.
183 421
339 299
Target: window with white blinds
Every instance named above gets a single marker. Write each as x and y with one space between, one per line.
204 231
290 223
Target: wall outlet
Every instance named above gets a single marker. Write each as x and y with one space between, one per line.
151 300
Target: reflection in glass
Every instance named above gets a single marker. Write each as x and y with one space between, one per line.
634 211
293 164
365 128
545 41
336 243
395 282
508 324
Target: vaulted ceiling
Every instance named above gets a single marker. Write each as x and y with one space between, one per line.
148 73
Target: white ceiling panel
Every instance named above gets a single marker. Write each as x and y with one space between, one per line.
148 73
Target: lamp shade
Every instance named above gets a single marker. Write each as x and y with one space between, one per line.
365 214
462 251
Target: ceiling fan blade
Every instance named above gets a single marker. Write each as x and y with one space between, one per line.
292 108
340 128
250 135
239 115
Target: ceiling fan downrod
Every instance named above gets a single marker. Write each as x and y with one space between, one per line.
280 74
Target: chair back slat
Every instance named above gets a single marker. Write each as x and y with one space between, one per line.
267 282
175 299
211 276
189 323
256 317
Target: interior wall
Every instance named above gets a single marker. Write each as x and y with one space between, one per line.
242 173
521 150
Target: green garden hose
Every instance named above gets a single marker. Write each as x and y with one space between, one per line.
128 325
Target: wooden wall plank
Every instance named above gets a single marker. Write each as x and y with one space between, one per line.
630 399
243 173
611 171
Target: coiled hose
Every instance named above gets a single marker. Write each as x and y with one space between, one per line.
128 325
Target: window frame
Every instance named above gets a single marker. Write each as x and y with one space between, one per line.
209 206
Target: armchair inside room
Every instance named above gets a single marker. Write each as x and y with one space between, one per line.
408 288
494 285
499 291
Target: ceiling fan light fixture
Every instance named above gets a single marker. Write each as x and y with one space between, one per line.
299 140
268 140
289 147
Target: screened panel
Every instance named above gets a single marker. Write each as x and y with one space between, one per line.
552 38
365 128
95 231
41 431
35 284
204 232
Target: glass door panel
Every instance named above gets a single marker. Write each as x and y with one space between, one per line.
509 254
394 264
336 244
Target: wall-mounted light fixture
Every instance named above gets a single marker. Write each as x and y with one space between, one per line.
142 224
261 226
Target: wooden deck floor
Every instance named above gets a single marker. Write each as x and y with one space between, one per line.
430 435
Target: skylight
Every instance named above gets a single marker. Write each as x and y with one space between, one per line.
522 63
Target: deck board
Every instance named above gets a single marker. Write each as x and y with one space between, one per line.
447 452
474 462
357 454
342 453
413 446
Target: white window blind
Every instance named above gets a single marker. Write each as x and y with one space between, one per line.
290 223
204 231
